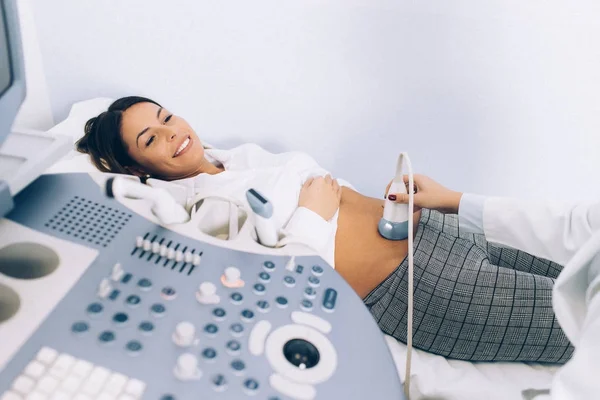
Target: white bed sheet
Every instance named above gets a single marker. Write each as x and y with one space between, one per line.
432 377
435 377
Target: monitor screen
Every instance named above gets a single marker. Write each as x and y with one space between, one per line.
5 72
12 68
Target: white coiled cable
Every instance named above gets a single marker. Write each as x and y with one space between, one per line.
409 319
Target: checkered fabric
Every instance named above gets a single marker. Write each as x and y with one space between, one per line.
473 300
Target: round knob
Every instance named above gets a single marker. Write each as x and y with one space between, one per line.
232 274
147 245
171 254
155 247
187 366
207 289
139 241
185 333
207 293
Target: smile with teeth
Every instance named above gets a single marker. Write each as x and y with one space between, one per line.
182 147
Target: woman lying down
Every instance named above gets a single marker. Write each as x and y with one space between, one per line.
472 300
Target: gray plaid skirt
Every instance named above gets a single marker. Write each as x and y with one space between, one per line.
473 300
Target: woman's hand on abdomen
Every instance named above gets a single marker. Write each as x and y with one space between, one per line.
321 195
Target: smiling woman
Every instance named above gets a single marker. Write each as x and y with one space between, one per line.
473 300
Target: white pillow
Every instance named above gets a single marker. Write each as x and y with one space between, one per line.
80 113
73 126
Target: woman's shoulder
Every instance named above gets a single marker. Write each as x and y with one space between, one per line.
249 155
257 153
251 148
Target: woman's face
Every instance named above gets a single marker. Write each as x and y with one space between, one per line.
162 144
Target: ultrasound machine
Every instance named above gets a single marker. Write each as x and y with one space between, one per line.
99 302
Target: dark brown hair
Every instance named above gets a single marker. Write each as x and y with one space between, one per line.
103 141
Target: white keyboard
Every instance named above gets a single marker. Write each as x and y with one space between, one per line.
55 376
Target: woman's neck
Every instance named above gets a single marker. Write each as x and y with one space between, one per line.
206 167
212 169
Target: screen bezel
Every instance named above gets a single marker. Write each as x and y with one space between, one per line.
14 95
3 20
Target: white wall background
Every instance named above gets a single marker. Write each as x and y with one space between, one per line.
495 96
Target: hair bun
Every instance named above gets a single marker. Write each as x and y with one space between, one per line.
82 145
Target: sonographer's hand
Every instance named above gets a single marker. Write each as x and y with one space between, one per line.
428 194
321 195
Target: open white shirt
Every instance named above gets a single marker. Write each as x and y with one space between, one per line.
279 177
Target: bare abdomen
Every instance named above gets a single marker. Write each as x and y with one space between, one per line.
362 256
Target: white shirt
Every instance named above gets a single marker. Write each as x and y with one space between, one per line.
568 235
278 177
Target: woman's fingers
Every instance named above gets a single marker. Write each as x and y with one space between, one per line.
337 187
401 198
415 188
327 179
395 195
308 182
416 178
387 189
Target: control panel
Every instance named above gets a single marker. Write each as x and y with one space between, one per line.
158 315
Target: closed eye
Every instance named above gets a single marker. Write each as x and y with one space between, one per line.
149 141
168 118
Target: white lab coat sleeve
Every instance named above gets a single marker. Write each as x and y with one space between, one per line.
578 378
553 231
470 213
